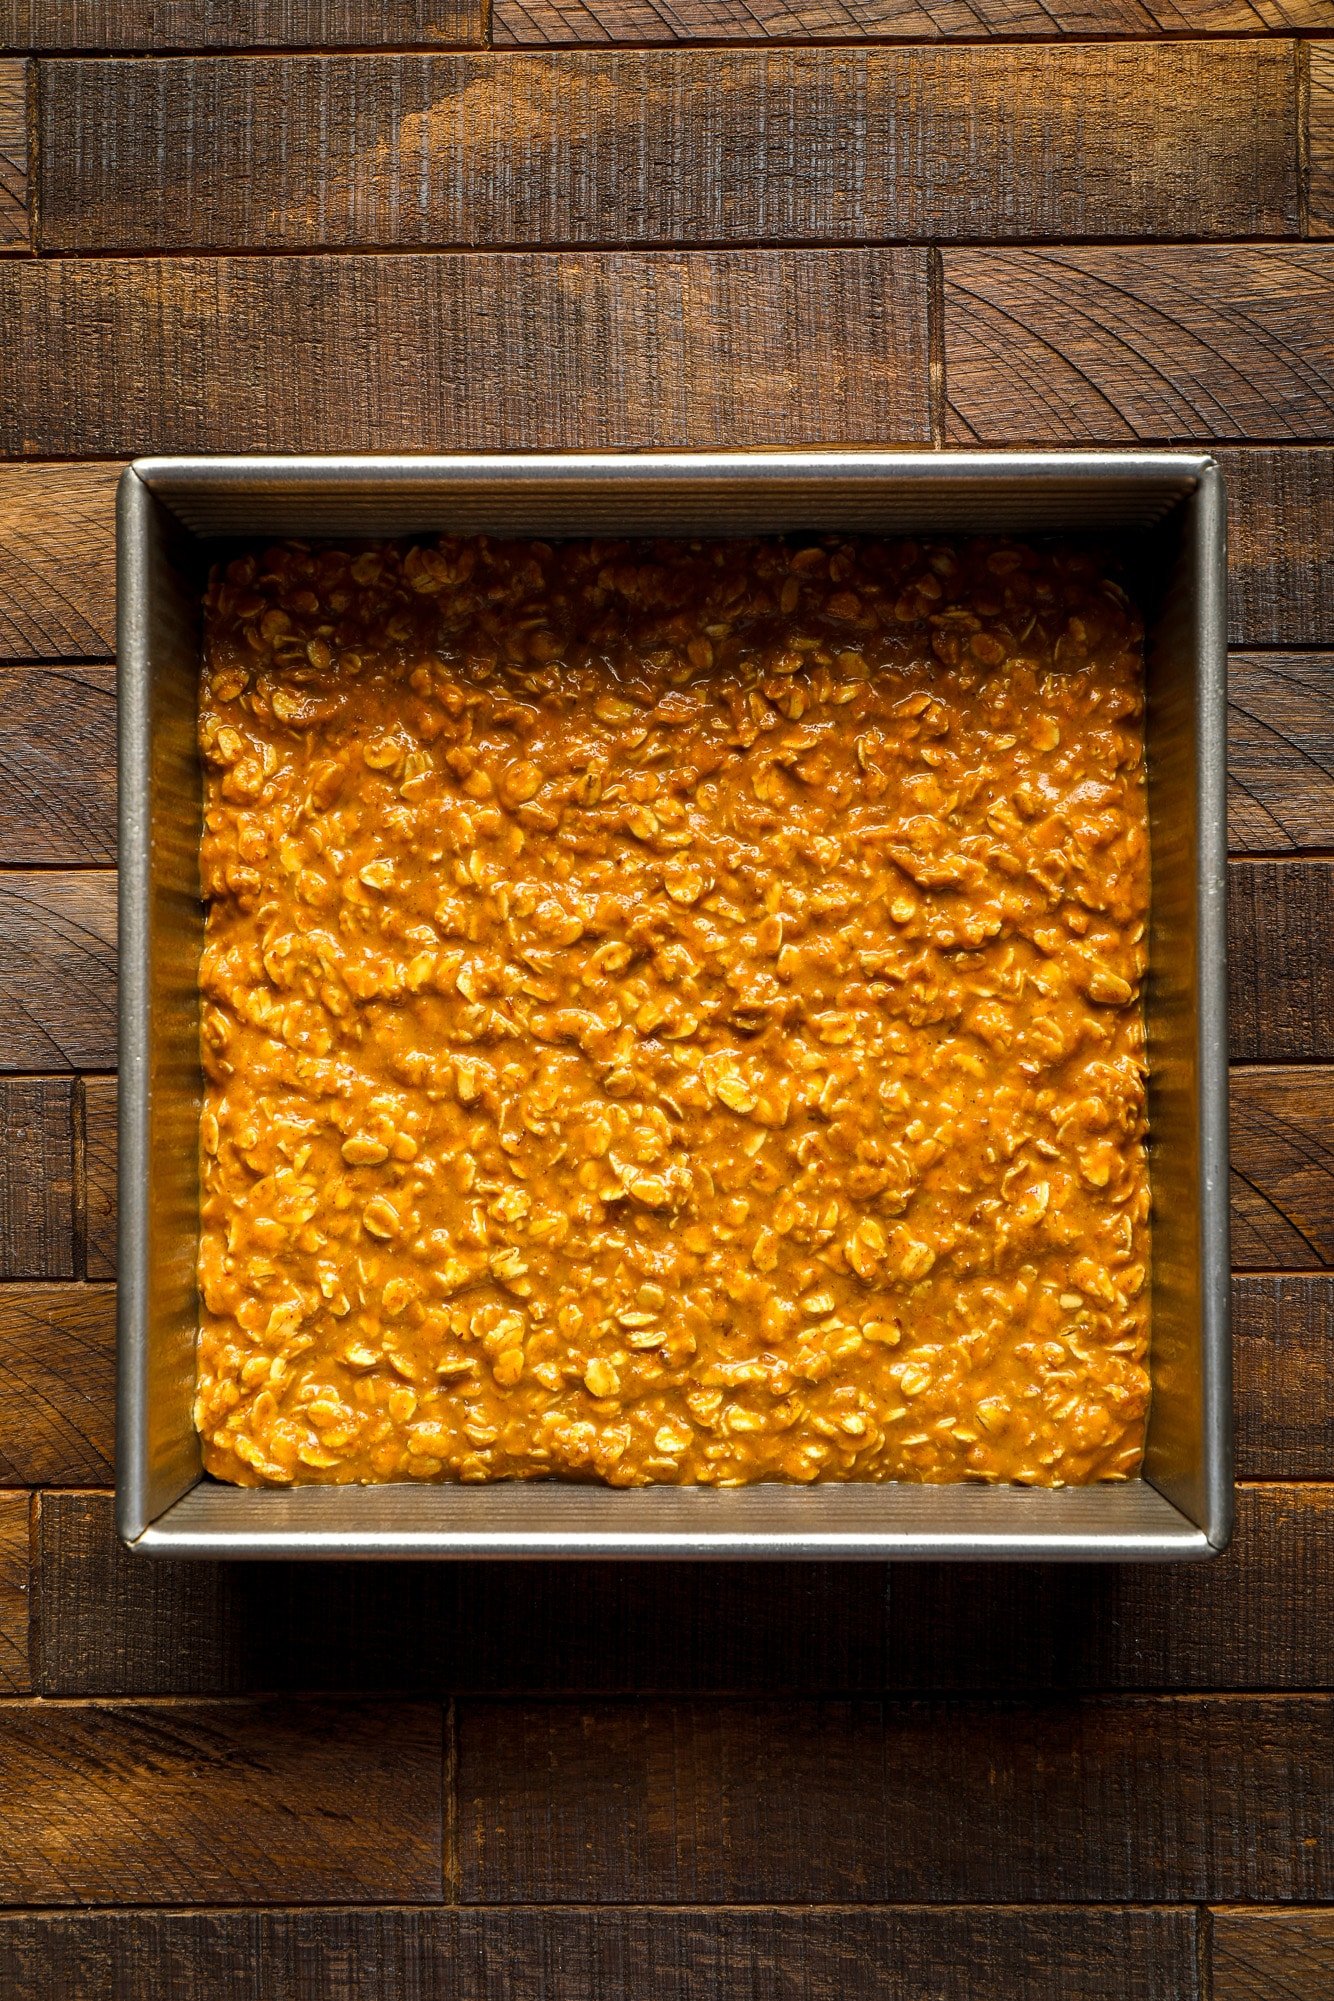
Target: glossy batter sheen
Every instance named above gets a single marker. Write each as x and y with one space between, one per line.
671 1014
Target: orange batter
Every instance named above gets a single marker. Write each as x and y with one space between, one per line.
672 1014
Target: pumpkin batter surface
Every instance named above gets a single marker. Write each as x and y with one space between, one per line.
671 1013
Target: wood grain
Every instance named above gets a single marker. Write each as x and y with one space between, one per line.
107 1623
57 1384
99 1176
58 562
1280 751
1320 138
57 766
1099 1954
1281 961
1283 1168
420 353
111 1623
1127 345
57 970
1271 1955
1257 1617
245 24
1280 547
1283 1331
36 1177
793 146
164 1803
14 1676
550 22
13 156
677 1802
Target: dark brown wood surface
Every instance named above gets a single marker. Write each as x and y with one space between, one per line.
57 563
1283 1168
1170 1798
1138 345
15 1537
667 149
1283 1325
1280 751
545 22
14 234
1281 960
1271 1955
37 1168
57 766
1280 547
169 1803
57 1371
1320 193
246 24
901 222
57 970
98 1106
938 1954
543 349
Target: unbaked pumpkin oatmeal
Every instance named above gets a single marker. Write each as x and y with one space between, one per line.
671 1013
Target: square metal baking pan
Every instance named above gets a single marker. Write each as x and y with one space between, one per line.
1165 510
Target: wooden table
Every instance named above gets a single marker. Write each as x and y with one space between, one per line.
924 222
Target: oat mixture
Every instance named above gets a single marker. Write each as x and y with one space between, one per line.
671 1013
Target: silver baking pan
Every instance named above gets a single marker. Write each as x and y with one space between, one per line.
1167 510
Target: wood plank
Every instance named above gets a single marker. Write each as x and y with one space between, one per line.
791 146
110 1623
57 1384
547 23
1282 1169
1280 547
1271 1955
1283 1329
13 156
1259 1617
57 766
1281 961
1280 751
14 1677
1133 344
220 1802
428 353
675 1802
107 1623
36 1177
58 562
57 970
99 1176
1320 138
245 24
1099 1954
